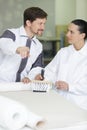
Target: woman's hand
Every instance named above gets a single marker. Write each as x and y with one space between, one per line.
62 85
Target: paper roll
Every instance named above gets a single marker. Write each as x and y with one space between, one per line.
13 115
36 120
14 86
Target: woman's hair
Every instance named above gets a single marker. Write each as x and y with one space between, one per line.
82 24
33 13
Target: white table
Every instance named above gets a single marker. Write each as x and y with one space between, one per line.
57 111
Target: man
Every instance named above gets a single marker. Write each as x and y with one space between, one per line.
68 69
13 48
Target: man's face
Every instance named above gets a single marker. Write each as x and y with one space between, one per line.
37 27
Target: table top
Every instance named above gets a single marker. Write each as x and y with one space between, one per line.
57 111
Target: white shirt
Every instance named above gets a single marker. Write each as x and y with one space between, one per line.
10 61
70 66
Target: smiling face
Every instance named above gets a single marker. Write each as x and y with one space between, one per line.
36 27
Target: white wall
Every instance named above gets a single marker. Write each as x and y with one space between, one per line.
67 10
81 9
11 13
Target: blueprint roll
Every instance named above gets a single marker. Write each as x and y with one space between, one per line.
13 115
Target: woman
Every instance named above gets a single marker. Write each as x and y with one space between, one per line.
68 69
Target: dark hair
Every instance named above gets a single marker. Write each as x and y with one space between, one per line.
82 24
33 13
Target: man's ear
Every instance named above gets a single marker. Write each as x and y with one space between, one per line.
83 35
28 23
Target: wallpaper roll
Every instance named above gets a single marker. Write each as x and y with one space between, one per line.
35 121
14 86
33 85
13 115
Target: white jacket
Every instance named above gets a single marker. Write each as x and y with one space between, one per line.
10 60
70 66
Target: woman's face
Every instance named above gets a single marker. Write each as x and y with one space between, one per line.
73 34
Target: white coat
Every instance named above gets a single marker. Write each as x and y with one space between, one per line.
70 66
10 60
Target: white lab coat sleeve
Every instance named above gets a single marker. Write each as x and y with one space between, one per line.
79 87
8 46
50 73
52 68
35 71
